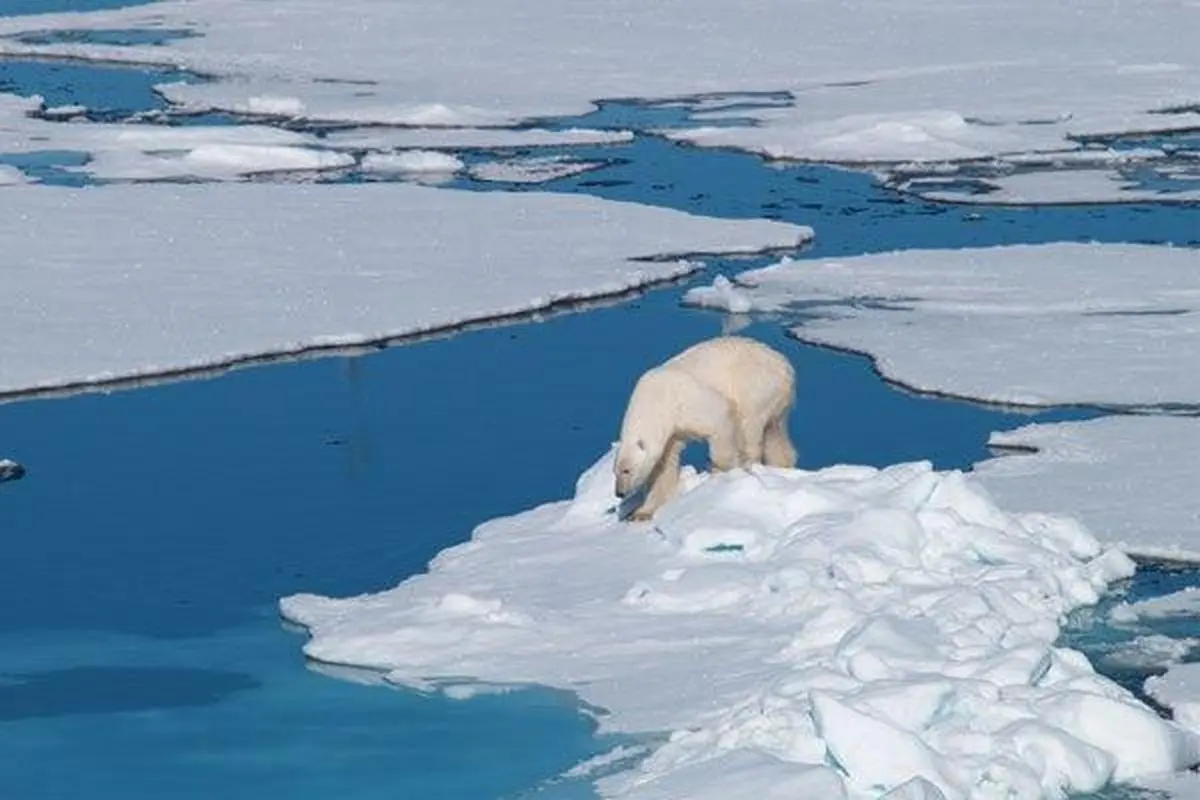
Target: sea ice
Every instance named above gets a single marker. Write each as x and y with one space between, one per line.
1060 186
539 169
10 470
202 275
847 632
1179 690
382 138
413 162
11 176
140 151
874 81
1026 324
1129 479
1185 602
210 162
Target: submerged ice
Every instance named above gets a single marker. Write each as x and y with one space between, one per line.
849 632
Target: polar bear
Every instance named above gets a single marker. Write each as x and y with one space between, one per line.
731 391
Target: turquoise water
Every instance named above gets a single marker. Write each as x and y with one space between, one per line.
142 656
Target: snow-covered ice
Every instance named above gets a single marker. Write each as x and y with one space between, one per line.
1185 602
211 161
383 138
1060 186
133 151
1026 324
536 169
11 176
415 162
843 632
1129 479
198 275
870 80
1179 690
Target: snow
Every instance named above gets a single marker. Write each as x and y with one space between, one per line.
210 162
841 632
380 138
11 176
539 169
1185 602
413 161
1127 478
1027 324
1179 690
201 275
869 80
131 151
1062 186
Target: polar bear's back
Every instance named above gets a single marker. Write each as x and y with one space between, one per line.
738 367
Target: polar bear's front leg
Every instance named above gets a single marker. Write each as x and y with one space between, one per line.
664 482
725 446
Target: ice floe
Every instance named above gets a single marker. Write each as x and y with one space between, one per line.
383 138
11 176
844 632
917 80
1130 479
1027 324
143 151
429 164
1179 690
10 470
536 169
198 275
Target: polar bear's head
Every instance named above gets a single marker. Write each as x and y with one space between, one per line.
645 432
632 466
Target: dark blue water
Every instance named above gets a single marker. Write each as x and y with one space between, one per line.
115 37
109 92
157 527
12 8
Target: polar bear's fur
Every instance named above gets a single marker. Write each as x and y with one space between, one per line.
735 393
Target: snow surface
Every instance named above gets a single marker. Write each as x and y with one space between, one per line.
538 169
871 79
806 634
1179 690
192 275
211 162
1027 324
11 176
1185 602
413 161
1129 479
380 138
132 151
1062 186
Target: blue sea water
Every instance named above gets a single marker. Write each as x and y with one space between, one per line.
142 656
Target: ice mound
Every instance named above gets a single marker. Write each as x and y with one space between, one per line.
849 632
421 161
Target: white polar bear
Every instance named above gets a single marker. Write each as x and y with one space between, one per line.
733 392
